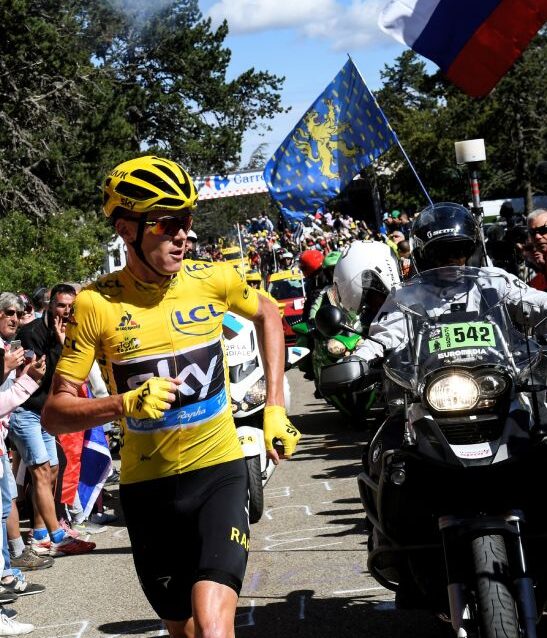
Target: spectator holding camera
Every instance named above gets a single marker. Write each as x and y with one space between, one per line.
22 375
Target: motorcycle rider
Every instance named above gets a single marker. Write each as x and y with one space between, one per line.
444 235
363 278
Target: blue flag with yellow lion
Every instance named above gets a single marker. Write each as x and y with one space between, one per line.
342 132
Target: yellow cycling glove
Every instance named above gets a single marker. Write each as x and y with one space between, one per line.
149 400
278 426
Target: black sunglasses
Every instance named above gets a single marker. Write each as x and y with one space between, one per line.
542 230
169 225
10 312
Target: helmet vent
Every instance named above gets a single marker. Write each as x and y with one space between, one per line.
168 202
184 186
134 192
154 179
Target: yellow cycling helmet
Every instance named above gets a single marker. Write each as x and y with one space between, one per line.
148 183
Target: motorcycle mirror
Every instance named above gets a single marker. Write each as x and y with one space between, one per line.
329 320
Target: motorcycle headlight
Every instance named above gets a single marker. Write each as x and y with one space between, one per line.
336 348
256 394
453 391
491 385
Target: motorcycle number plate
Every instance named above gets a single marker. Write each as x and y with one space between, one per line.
462 335
298 304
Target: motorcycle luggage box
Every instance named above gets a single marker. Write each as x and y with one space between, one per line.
349 375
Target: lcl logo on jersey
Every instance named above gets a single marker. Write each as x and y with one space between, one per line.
197 321
199 270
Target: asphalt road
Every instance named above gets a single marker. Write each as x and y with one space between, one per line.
307 566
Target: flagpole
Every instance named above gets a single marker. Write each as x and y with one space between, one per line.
396 138
243 269
412 167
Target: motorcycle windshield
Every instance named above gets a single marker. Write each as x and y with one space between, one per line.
456 317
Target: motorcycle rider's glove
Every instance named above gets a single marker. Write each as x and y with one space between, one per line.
149 400
278 427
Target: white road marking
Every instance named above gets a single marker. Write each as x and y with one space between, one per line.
293 538
355 591
307 510
246 619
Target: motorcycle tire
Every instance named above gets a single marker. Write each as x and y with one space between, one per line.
496 605
256 491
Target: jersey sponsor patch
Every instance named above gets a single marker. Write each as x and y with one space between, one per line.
200 396
199 270
198 321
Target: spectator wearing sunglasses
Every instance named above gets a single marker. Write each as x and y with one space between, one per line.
29 313
23 375
537 231
156 329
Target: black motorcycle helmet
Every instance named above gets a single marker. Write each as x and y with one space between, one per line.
443 231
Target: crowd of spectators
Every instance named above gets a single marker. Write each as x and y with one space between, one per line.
32 330
269 248
32 334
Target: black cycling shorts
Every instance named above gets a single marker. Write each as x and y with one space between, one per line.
186 528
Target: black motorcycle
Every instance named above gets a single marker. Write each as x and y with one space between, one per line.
452 480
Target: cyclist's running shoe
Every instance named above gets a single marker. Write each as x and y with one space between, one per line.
71 547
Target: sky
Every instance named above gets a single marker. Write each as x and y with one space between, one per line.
308 42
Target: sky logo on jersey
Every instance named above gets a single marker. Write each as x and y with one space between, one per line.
198 321
200 396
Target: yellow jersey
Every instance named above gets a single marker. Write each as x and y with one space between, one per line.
136 331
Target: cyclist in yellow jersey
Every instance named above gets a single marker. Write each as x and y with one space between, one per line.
155 329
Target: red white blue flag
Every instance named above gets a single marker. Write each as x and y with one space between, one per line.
95 468
474 42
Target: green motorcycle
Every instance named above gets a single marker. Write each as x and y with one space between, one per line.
364 407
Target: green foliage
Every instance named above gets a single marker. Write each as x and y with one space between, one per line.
84 85
62 247
429 115
217 217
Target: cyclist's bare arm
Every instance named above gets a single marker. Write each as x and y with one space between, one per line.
272 349
66 412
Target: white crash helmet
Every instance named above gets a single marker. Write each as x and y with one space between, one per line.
363 266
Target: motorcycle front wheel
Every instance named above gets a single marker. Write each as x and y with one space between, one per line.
496 605
256 491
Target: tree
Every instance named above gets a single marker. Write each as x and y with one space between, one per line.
84 86
429 115
171 66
